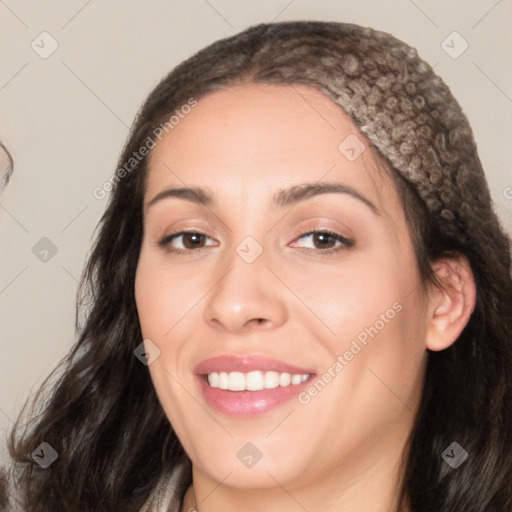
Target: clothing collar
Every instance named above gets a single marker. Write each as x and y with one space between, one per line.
167 496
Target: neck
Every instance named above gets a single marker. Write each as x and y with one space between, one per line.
360 484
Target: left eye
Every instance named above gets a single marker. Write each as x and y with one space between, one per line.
325 239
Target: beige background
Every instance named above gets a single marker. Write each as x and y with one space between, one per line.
65 119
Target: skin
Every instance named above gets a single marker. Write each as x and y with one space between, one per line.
342 451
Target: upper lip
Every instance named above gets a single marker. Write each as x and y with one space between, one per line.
247 363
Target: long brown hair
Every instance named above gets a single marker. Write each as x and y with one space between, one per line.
99 410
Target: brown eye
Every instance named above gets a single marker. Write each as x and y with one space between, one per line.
191 240
325 241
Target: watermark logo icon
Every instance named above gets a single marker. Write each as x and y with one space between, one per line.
44 45
454 455
351 147
44 455
249 455
147 352
44 250
454 45
249 249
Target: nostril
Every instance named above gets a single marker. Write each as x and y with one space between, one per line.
258 320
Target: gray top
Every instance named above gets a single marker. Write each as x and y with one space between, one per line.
168 494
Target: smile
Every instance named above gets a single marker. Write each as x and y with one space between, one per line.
246 386
254 381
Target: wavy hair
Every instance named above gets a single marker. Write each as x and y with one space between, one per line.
99 409
6 167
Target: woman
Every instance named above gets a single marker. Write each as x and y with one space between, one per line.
299 297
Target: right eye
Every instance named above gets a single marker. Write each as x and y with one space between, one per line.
191 241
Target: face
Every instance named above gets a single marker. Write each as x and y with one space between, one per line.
289 321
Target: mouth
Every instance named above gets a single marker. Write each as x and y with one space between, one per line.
248 386
253 381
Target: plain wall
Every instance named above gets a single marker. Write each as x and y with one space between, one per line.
65 119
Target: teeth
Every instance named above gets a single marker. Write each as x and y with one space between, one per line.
213 380
223 380
296 379
254 381
271 380
236 381
285 379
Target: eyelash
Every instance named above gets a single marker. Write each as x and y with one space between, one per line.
345 242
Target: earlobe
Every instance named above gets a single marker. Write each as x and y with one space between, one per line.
451 305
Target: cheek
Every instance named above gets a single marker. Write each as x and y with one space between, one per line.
160 307
360 291
158 297
371 315
373 362
167 306
376 313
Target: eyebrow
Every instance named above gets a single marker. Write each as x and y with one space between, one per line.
285 197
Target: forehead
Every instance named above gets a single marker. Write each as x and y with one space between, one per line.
284 116
260 137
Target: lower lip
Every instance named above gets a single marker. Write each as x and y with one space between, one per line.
248 404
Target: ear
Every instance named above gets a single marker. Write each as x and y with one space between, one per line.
451 304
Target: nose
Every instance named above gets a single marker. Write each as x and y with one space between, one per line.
248 295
